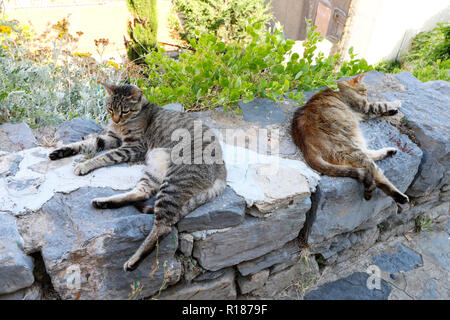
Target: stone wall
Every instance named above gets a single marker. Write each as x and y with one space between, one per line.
243 244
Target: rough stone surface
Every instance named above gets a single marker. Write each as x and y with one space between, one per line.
254 281
404 259
75 129
268 182
16 269
186 244
81 243
9 164
442 86
342 207
253 238
352 287
174 107
263 111
428 116
227 210
19 134
301 274
222 288
268 260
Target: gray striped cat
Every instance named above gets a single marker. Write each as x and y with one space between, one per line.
140 130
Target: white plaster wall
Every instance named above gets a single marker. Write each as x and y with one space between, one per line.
383 28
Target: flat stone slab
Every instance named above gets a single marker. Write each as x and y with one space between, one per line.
84 249
436 246
263 111
428 116
222 288
404 259
74 130
16 269
268 182
268 260
255 237
342 207
353 287
227 210
19 134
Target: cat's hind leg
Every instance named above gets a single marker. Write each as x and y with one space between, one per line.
172 204
157 161
377 155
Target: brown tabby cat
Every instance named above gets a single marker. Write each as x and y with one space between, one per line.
140 130
327 131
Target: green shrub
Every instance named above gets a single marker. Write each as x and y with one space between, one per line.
143 28
215 73
226 20
428 58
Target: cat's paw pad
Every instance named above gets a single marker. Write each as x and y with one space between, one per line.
81 169
401 198
61 153
393 108
100 203
131 264
390 152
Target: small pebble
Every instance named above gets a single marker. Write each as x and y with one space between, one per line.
392 276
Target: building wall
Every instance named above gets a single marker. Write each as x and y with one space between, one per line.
384 28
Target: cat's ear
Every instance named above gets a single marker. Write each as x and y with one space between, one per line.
136 95
109 88
358 79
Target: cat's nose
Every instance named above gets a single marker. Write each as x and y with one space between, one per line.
116 119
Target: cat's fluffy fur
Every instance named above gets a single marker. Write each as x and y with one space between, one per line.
327 132
138 131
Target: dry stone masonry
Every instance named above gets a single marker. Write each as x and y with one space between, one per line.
243 244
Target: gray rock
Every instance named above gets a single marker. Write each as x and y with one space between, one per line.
428 116
20 134
74 130
174 107
32 293
186 244
16 269
252 239
302 274
9 164
254 281
436 247
404 259
227 210
222 288
442 86
210 275
342 207
84 249
263 111
277 256
353 287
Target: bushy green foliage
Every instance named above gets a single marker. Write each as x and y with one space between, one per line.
216 73
428 58
226 20
143 28
354 66
45 90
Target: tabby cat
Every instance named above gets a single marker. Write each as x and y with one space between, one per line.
327 132
140 130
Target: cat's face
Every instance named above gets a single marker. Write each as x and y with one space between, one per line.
123 103
354 86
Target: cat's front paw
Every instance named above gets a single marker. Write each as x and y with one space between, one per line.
390 152
81 169
393 108
62 152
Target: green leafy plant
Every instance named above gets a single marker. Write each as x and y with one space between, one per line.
215 73
226 20
423 223
142 29
354 66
